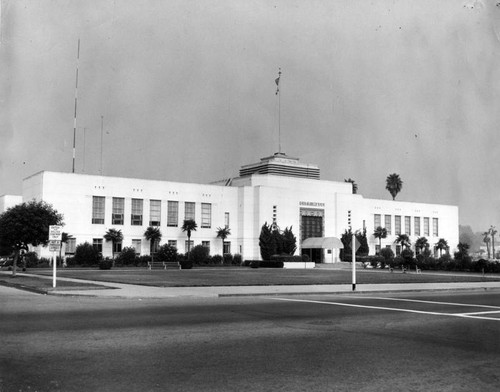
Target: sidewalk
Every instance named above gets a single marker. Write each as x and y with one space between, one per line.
119 290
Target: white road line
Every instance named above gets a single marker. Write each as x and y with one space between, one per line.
474 313
463 315
428 302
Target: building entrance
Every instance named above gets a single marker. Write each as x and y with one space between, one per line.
311 225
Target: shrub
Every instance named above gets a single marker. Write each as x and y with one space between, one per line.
387 254
85 254
271 264
31 260
70 261
167 253
185 261
305 258
142 261
237 259
287 258
216 259
227 259
198 255
126 256
254 263
106 264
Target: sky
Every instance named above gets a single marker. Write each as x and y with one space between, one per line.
184 90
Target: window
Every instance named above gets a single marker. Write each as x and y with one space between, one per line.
188 245
173 213
136 217
118 209
377 222
377 249
98 210
97 244
71 246
226 219
206 215
189 210
397 224
172 243
435 228
416 223
398 250
407 225
206 244
388 224
154 212
137 245
227 247
117 247
426 227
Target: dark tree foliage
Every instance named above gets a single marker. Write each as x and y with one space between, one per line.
86 255
27 224
166 253
267 242
289 241
272 241
346 238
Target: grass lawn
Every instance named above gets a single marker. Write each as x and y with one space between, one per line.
42 284
238 276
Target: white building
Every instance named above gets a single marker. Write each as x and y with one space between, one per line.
279 189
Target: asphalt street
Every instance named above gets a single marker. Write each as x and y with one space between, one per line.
435 341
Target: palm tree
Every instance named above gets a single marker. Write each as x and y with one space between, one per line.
486 240
493 231
115 236
153 235
380 232
189 226
394 184
441 245
65 237
421 243
403 240
222 233
354 185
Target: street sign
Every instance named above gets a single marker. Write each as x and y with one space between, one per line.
357 244
55 233
54 245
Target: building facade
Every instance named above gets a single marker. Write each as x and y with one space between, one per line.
278 190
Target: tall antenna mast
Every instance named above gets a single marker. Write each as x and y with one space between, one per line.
102 125
76 100
277 80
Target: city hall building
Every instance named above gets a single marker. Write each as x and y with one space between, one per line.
279 190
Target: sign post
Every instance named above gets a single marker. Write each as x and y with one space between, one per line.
353 248
55 236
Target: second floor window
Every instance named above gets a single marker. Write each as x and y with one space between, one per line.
136 216
426 227
388 225
407 225
118 209
416 225
173 213
189 210
206 215
154 212
98 210
397 224
377 221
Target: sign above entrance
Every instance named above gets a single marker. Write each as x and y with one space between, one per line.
311 204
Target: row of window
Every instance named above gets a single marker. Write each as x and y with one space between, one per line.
155 213
137 244
407 228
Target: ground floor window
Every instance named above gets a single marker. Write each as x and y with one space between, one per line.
377 249
206 244
188 245
227 247
97 244
71 246
172 243
136 244
117 247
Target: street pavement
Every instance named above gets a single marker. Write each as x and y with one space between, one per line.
119 290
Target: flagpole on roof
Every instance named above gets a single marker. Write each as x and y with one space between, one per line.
277 80
76 100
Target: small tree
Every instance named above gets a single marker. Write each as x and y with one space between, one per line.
189 226
153 235
65 237
267 242
289 241
403 240
493 231
27 224
223 233
420 244
486 240
116 237
394 184
441 245
167 253
380 232
85 254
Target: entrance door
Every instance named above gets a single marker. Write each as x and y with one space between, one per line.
312 226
